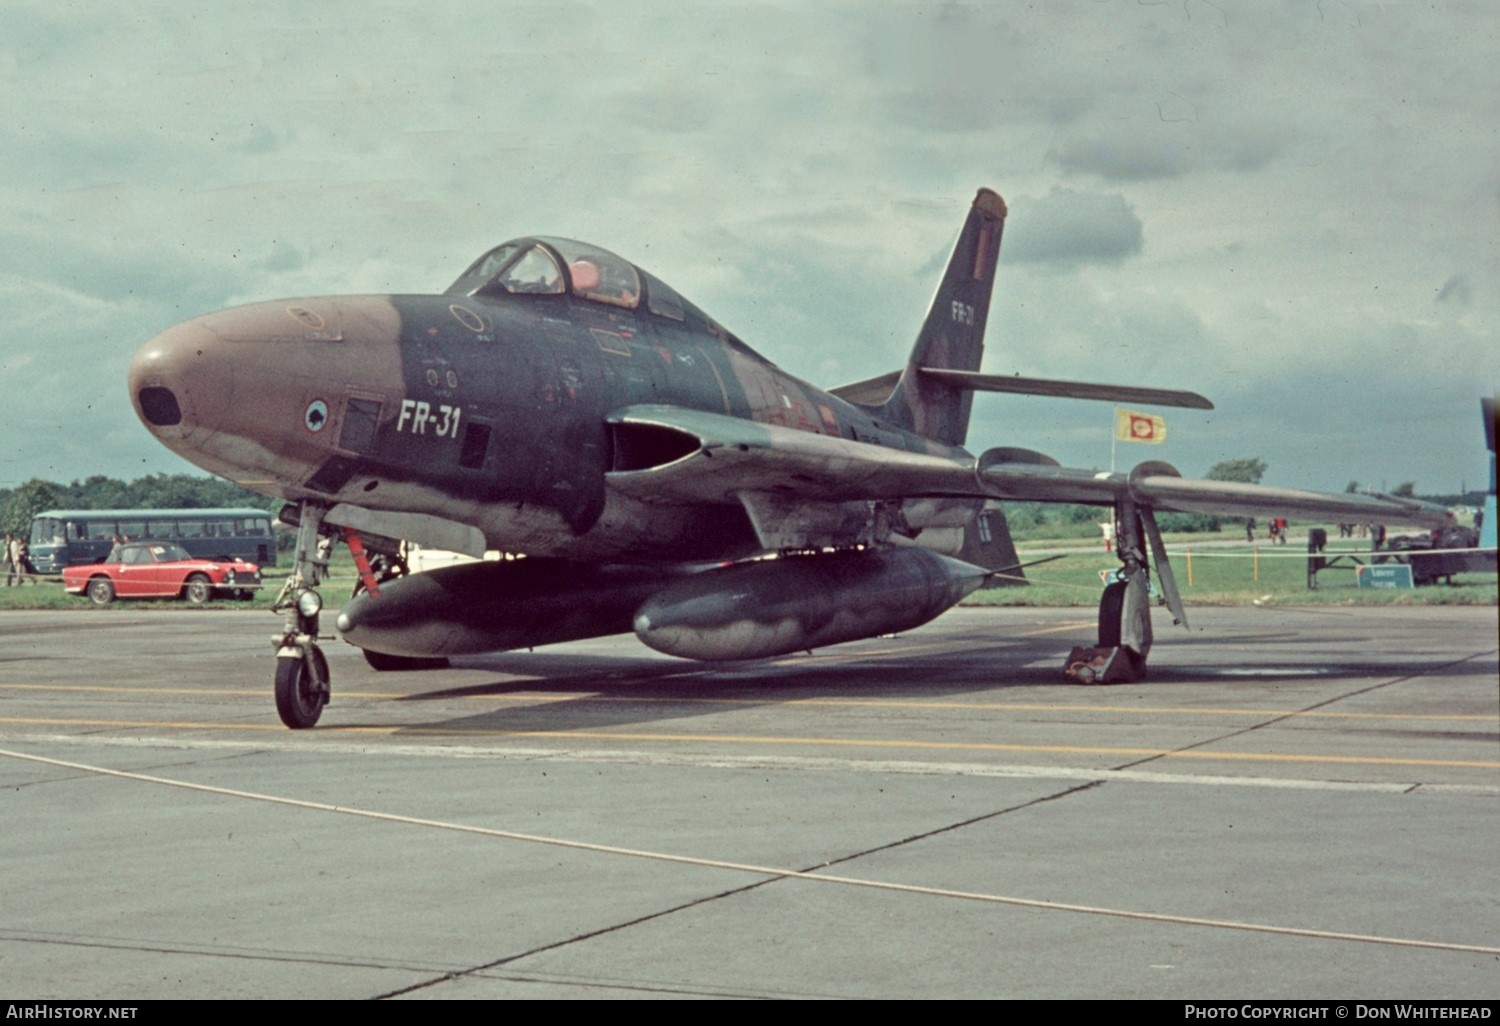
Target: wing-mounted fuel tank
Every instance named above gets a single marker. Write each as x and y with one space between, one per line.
770 607
743 611
496 606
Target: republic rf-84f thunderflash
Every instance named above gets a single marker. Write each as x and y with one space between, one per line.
560 403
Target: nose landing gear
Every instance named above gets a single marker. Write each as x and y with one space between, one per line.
302 678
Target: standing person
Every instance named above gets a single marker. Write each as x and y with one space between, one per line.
1249 529
15 561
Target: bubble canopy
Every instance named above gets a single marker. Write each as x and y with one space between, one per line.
552 266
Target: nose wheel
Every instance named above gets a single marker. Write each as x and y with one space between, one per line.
301 687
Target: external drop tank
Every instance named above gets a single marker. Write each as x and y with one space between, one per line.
769 607
742 611
497 606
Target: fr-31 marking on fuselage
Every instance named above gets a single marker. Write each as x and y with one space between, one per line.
417 416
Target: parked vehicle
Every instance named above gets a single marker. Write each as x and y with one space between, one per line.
157 569
70 537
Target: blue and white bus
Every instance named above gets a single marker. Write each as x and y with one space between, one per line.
71 537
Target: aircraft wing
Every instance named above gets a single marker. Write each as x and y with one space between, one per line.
1160 487
672 455
669 454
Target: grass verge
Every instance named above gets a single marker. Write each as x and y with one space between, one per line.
1222 574
1231 575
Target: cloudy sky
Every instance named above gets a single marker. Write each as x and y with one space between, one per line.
1289 207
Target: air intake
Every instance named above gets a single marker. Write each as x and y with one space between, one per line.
159 406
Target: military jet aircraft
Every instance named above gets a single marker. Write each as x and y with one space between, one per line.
658 475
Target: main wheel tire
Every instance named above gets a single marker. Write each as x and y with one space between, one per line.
198 590
382 661
301 689
1113 610
101 591
1111 605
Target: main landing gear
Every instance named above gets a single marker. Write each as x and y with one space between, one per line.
1125 607
302 686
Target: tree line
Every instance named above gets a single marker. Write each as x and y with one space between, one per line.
155 491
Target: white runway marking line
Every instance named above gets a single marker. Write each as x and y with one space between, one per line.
768 871
645 757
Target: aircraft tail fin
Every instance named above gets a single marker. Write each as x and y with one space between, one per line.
952 336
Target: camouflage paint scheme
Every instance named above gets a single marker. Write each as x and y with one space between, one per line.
562 403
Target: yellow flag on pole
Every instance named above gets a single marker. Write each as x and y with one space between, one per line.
1139 427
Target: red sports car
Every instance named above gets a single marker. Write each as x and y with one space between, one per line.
152 569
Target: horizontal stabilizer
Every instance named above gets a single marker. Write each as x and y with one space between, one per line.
977 382
869 392
874 391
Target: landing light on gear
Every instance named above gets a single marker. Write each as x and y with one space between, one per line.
309 603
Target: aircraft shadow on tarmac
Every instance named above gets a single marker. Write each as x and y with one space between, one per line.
613 691
616 691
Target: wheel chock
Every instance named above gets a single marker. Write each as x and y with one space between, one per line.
1103 666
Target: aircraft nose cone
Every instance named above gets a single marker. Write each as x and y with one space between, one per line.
258 393
166 374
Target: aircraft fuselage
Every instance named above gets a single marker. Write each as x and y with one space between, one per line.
488 410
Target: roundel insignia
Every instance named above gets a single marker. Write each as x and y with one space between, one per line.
316 415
